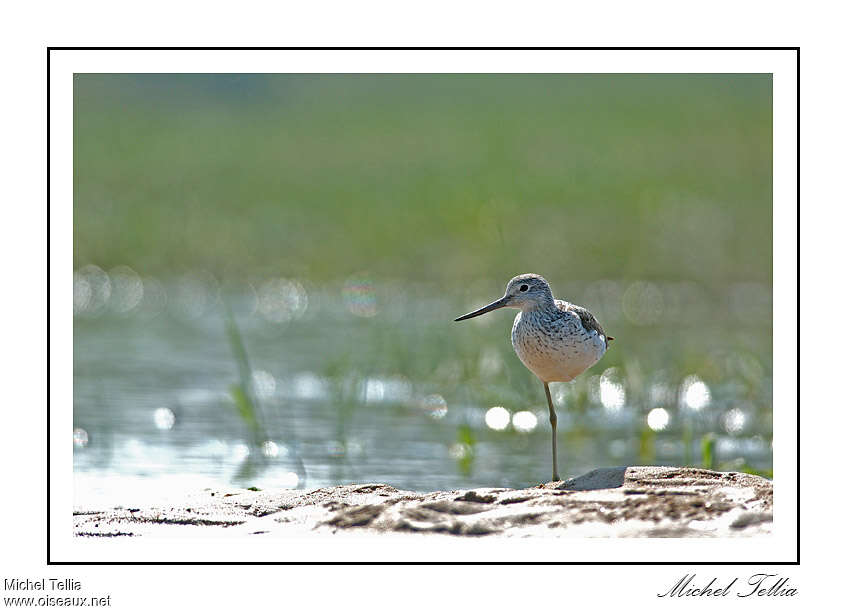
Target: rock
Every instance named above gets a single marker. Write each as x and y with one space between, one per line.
601 478
606 502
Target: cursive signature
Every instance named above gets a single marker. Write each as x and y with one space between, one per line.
759 585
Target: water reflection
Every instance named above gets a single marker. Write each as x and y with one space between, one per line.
403 400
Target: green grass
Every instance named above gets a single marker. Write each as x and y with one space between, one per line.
244 399
433 178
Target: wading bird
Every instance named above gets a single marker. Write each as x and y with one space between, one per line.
555 339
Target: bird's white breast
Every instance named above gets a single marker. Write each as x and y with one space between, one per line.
557 348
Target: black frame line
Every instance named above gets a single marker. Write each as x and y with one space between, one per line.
49 561
423 49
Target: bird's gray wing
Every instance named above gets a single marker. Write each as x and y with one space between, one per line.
586 318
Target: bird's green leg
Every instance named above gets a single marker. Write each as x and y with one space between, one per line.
553 421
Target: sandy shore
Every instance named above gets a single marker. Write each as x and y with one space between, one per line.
608 502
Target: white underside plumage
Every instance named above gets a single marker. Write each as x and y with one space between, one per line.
555 349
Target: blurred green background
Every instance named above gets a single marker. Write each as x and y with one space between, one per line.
349 218
438 178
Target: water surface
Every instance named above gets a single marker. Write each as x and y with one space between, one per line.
372 381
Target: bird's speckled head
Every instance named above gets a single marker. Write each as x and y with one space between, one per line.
525 292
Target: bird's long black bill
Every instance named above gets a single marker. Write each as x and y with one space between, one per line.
492 306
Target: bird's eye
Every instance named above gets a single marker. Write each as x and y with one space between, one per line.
524 287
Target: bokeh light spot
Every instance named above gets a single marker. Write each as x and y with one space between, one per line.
612 392
308 385
497 418
264 384
164 418
359 296
80 437
490 363
524 421
695 393
194 294
643 303
335 448
240 451
617 448
92 290
459 451
282 300
374 390
658 419
82 293
289 480
127 290
154 298
435 406
734 420
270 449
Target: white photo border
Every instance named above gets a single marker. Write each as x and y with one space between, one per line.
62 547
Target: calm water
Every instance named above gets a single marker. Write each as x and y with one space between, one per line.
372 381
